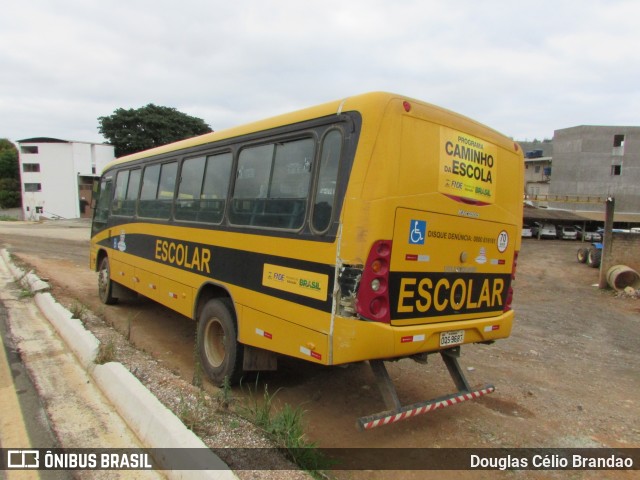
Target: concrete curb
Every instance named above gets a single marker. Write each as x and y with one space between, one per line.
153 423
158 427
81 341
31 281
17 273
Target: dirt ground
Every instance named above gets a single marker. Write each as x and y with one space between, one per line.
567 377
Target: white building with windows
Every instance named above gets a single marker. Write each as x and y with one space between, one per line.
57 176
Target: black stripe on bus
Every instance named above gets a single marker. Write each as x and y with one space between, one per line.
226 265
432 294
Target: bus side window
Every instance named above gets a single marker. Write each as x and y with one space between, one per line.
122 179
272 184
254 170
327 181
124 199
149 190
252 182
203 188
191 177
101 213
215 188
156 196
129 204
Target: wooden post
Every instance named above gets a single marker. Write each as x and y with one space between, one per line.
607 240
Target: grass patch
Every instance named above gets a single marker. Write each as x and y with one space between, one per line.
196 414
106 353
25 293
286 428
196 380
78 310
7 218
225 394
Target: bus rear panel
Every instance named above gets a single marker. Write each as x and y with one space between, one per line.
430 240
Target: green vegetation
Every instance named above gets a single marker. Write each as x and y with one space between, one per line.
10 196
196 415
134 130
286 428
198 373
106 353
78 310
25 293
225 395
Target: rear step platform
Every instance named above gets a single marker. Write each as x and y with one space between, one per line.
397 412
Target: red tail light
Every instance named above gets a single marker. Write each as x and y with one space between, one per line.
507 303
372 302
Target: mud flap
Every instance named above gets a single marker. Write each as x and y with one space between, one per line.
397 412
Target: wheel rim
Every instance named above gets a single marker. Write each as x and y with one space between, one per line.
214 343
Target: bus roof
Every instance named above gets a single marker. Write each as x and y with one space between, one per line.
364 102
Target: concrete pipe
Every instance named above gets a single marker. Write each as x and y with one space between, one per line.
620 277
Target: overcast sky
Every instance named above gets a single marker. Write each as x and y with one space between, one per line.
523 68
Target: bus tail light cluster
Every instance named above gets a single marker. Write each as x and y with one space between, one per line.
372 301
507 303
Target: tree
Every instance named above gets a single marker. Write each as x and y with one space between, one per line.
9 175
134 130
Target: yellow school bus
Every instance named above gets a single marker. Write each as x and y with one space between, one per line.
371 228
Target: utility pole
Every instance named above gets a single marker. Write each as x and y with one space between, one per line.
607 241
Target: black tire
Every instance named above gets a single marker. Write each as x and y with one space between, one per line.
105 285
594 257
582 255
218 348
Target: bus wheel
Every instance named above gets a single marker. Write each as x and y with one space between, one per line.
218 347
105 286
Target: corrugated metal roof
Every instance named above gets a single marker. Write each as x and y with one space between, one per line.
617 216
552 215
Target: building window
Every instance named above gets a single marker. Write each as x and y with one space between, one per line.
28 149
30 167
616 169
32 187
618 145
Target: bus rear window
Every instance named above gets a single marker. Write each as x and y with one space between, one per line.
327 181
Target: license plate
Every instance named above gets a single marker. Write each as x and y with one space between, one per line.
453 337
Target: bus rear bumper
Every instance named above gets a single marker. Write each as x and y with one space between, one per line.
357 340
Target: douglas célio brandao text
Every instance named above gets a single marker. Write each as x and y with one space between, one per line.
551 462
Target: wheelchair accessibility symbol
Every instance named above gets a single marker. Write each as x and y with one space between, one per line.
417 232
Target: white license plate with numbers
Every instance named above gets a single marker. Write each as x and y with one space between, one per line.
453 337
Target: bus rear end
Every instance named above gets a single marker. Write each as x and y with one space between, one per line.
439 235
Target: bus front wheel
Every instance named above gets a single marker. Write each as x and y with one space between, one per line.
105 286
218 347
